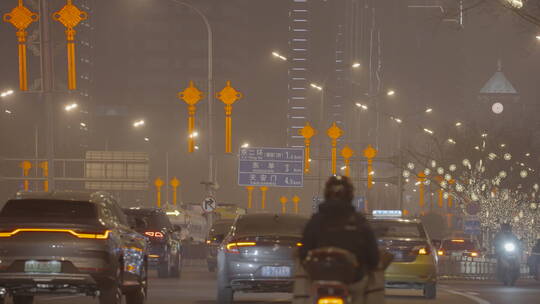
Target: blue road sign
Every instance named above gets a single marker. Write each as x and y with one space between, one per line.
271 167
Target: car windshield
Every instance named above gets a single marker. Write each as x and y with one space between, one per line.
389 229
148 220
458 244
53 210
270 225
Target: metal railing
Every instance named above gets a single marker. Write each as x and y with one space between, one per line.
467 268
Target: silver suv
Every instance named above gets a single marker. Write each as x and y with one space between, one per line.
70 243
258 255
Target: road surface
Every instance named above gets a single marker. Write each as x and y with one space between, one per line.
198 286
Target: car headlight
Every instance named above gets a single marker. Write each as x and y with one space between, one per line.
509 247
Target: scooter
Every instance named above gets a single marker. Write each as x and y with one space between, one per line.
331 270
508 269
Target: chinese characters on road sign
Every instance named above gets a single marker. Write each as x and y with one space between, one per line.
271 167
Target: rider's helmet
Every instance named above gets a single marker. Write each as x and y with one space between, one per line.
339 189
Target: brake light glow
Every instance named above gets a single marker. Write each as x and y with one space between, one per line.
330 300
299 244
458 241
156 234
474 254
97 236
234 247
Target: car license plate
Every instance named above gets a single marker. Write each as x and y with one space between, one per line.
276 272
42 267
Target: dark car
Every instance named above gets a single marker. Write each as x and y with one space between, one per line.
258 255
216 235
70 243
164 238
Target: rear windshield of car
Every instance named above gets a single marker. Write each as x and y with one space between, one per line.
270 225
49 210
390 229
220 228
458 244
148 220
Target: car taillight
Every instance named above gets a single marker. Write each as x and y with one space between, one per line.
234 247
81 235
330 300
421 250
155 234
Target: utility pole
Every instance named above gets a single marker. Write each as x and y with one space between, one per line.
47 85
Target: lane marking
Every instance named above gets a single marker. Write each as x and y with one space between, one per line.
468 296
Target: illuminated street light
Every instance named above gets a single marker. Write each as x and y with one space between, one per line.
515 3
362 106
316 86
7 93
537 37
278 55
356 65
391 93
484 135
70 107
429 110
194 135
147 139
196 147
245 145
396 119
83 125
138 123
459 124
430 132
527 154
8 112
452 141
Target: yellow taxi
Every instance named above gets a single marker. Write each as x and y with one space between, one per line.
415 260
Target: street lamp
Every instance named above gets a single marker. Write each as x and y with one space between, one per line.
147 139
70 107
316 86
391 93
429 110
459 124
356 65
8 112
245 145
452 141
138 123
428 131
194 135
7 93
537 37
362 106
278 55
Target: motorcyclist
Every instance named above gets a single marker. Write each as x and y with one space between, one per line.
337 224
502 238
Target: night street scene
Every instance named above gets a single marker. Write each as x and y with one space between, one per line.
269 151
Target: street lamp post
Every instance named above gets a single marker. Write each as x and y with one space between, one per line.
210 184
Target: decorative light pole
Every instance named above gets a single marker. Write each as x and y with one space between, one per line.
334 132
228 96
347 153
191 96
307 132
370 153
70 16
21 17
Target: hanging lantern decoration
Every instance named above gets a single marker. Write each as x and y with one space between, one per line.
347 153
410 166
228 96
70 16
191 96
440 170
21 17
307 132
406 173
502 174
507 156
433 164
523 173
427 171
334 132
370 153
452 167
492 156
